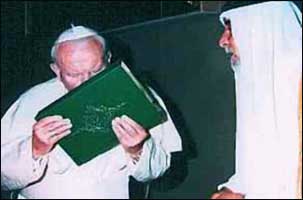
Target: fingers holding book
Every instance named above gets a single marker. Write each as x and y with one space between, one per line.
130 134
47 132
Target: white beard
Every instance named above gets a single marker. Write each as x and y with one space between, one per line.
234 59
234 62
227 50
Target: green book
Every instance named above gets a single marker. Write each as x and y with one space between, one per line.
92 106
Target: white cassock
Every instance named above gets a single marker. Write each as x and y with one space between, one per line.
56 175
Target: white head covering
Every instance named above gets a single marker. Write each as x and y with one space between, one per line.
269 38
75 33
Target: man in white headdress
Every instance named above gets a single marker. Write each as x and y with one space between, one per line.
32 162
265 40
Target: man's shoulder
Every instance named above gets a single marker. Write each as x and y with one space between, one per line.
43 93
41 88
37 97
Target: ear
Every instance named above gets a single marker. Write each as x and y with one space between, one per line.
55 69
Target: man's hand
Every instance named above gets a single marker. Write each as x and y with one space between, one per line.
130 134
47 132
226 193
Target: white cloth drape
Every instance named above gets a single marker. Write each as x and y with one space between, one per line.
269 38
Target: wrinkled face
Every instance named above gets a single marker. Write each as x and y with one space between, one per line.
77 61
228 43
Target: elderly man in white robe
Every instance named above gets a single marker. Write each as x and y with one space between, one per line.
31 160
265 40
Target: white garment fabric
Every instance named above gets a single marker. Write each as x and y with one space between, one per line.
269 38
56 175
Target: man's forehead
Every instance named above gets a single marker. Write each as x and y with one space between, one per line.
90 42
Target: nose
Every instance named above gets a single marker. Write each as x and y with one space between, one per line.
223 42
225 39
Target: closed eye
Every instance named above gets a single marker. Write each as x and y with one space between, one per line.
73 75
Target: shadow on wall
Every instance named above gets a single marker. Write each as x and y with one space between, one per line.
180 59
178 171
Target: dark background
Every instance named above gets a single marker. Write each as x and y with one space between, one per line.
171 45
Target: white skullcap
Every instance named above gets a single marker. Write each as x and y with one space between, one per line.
75 33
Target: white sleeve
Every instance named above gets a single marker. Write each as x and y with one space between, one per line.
156 155
233 184
18 168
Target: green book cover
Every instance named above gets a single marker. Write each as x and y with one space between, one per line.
93 105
